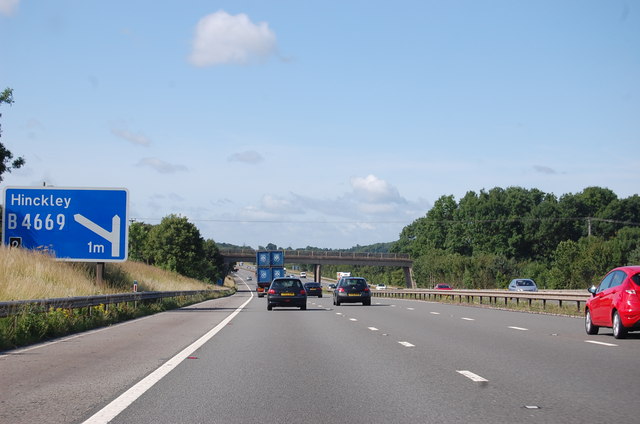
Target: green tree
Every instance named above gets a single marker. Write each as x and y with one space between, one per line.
213 266
139 242
176 245
579 264
6 163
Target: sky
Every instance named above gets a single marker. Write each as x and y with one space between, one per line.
328 123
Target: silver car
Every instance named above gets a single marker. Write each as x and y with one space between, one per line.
523 284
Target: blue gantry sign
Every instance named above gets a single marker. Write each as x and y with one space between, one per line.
72 224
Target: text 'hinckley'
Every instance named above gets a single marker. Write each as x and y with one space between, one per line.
42 200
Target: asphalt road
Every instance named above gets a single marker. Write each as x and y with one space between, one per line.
394 361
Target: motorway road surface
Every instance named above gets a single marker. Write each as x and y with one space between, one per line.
395 361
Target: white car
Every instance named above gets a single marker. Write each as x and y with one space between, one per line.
381 287
303 274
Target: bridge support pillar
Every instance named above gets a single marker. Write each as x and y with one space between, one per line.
317 274
408 277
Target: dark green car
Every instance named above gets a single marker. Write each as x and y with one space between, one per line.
288 292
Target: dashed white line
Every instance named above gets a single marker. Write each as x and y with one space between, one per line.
352 319
468 319
338 313
518 328
411 309
372 328
600 343
434 313
471 376
407 344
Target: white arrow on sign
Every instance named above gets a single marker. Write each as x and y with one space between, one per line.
112 236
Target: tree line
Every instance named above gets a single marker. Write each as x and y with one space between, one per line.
176 245
487 238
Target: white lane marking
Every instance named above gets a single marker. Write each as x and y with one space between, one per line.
600 343
468 319
338 313
411 309
75 336
352 319
393 306
518 328
123 401
434 313
372 328
471 376
407 344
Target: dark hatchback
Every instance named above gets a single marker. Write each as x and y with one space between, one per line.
287 292
352 290
313 289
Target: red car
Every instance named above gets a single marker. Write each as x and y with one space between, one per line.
615 302
442 287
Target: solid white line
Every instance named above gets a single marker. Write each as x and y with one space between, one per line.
471 376
75 336
121 403
407 344
600 343
372 328
468 319
519 328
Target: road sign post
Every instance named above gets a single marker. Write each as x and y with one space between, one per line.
72 224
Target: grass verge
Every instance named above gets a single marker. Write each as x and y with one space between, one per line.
30 327
27 275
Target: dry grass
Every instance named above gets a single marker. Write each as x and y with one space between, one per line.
27 274
155 279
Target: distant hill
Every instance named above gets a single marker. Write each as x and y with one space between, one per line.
372 248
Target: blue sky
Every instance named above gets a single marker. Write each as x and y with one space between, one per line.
324 123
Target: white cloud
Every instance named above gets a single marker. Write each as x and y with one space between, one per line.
544 170
161 166
371 189
371 199
8 7
138 139
221 38
273 204
250 156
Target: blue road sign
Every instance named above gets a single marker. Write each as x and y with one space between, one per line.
72 224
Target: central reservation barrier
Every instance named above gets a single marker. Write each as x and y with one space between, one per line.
493 296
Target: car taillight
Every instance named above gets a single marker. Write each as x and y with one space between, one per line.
302 292
341 290
366 289
272 291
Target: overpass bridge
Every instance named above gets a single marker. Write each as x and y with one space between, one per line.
319 258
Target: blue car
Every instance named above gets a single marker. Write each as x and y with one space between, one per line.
523 284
